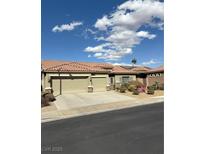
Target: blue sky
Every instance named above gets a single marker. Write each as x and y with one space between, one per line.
111 31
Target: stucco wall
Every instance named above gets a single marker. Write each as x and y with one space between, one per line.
155 78
118 78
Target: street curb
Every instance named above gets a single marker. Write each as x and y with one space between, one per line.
79 112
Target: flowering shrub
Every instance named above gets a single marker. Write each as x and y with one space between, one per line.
141 89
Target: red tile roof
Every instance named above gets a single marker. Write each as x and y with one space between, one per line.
88 67
121 70
156 70
55 66
140 69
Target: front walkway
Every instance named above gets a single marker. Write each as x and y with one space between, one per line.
72 105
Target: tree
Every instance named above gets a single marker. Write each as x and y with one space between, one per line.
134 61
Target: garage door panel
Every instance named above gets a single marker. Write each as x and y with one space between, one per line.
99 84
69 85
56 87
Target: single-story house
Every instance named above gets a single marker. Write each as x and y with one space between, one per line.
155 75
65 77
149 76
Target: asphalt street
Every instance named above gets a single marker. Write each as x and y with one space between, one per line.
137 130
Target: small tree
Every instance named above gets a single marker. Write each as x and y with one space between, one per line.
134 61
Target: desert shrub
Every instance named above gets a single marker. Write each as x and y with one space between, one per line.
125 85
150 90
161 86
132 82
123 89
131 87
154 86
46 98
158 86
50 97
135 92
117 88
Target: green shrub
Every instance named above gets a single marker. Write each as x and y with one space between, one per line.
117 88
133 82
131 87
125 85
135 92
150 90
154 87
123 89
151 87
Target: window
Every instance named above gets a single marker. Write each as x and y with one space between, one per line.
125 79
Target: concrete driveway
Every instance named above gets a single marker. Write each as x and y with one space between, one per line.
75 100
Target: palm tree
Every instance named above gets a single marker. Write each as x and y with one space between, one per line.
134 61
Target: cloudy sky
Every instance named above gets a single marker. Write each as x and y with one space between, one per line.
112 31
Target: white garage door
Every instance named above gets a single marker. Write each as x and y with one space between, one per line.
77 84
56 86
99 84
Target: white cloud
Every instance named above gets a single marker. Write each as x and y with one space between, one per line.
66 27
90 31
152 61
122 64
99 48
121 27
89 56
102 23
145 34
98 54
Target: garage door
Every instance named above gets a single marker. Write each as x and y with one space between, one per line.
78 84
99 84
74 85
56 86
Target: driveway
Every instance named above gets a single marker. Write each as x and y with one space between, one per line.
75 100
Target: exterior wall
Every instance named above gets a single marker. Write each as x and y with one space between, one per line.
155 77
118 79
141 80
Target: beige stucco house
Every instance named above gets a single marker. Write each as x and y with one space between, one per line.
66 77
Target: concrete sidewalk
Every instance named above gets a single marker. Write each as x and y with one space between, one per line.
55 114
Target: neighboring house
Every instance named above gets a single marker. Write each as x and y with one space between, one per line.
149 76
65 77
155 75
